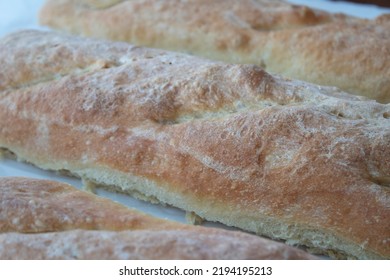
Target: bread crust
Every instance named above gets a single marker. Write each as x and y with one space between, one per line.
231 143
296 41
35 206
42 219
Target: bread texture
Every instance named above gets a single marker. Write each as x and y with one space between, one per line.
296 41
231 143
42 219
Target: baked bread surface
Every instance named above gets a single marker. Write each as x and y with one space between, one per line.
231 143
42 219
296 41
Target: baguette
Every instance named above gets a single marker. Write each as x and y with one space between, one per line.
42 219
231 143
296 41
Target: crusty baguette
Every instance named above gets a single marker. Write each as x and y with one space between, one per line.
65 223
32 206
231 143
296 41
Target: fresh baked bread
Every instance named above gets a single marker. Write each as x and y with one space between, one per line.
42 219
230 143
296 41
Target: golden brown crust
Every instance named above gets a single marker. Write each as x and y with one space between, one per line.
230 143
296 41
145 244
31 206
65 223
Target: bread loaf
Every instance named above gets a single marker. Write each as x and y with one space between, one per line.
49 220
296 41
231 143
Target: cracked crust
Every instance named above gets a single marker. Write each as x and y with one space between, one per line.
296 41
42 219
230 143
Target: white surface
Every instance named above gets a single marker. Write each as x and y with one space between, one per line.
358 10
19 14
